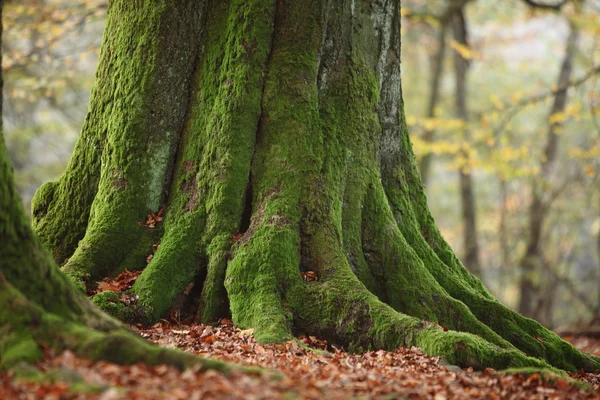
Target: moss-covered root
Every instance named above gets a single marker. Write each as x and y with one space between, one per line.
418 283
256 278
268 294
408 285
437 263
24 326
356 318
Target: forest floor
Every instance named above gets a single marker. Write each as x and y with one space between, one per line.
310 370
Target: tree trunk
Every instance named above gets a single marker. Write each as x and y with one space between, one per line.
437 69
467 197
597 308
437 72
273 134
532 261
506 269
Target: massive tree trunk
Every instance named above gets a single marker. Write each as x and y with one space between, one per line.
40 306
272 134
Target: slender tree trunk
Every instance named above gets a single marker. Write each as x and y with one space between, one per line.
597 309
545 311
531 263
506 263
467 197
272 135
437 70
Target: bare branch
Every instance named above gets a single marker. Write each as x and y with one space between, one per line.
511 106
572 287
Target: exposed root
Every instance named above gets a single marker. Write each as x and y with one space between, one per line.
257 279
268 294
60 210
25 326
419 234
525 334
357 319
213 301
409 286
176 263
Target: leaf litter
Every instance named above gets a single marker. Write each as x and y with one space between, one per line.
311 368
124 281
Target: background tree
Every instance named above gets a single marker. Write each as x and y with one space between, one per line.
533 259
265 162
48 48
467 196
515 57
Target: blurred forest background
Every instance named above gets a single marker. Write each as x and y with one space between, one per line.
503 104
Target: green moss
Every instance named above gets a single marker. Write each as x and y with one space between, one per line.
254 283
469 350
211 175
23 261
60 210
131 162
16 351
263 279
41 201
109 302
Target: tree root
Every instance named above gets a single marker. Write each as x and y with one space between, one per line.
439 262
25 325
267 293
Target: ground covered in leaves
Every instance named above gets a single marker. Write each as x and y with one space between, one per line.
310 370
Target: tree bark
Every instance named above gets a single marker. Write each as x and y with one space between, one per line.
532 261
273 134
